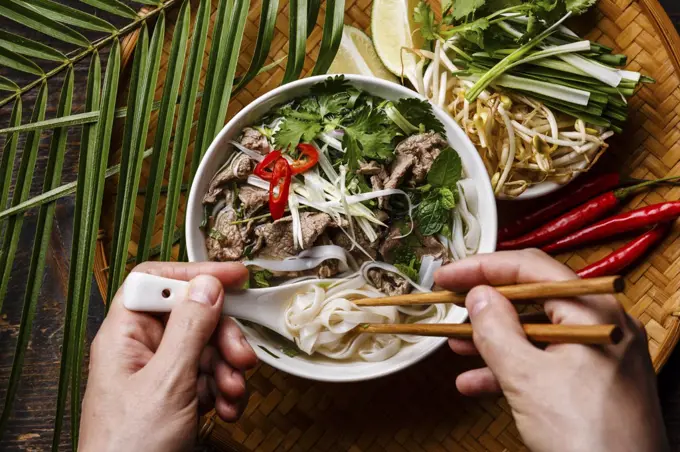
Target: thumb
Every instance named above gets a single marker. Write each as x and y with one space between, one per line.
190 326
497 332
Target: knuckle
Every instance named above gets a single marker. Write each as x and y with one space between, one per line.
535 253
144 267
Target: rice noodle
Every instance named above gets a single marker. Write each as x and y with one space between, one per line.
322 319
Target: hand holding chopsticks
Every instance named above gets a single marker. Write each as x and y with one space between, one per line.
518 294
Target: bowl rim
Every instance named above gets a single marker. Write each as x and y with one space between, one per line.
401 91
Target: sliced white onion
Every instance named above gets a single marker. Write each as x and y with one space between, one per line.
249 152
296 223
330 141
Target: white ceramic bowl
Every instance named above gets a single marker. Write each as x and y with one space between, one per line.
267 350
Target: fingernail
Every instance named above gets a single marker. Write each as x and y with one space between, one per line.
476 300
204 289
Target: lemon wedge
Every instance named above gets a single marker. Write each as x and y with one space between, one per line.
357 55
392 27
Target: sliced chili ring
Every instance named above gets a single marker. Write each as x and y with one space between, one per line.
264 169
280 179
308 157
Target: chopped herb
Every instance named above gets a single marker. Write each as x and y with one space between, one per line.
406 261
248 251
215 234
266 350
262 278
206 216
409 271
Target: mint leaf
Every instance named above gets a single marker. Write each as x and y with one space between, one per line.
419 113
431 215
448 199
408 271
292 131
262 278
446 170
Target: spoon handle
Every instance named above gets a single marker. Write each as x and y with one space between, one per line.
149 293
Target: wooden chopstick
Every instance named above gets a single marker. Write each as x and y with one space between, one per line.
519 294
548 333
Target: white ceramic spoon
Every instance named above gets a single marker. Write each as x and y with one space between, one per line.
266 306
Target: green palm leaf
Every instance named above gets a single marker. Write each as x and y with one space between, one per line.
92 195
312 15
59 21
21 190
184 121
8 154
13 60
71 16
7 85
265 34
13 9
164 130
87 142
297 35
58 193
133 147
43 235
113 7
332 35
28 47
66 121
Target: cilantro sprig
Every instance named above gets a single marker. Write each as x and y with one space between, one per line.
371 126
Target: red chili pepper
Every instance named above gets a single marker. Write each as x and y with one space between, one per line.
280 179
308 157
617 261
592 186
577 218
623 222
264 168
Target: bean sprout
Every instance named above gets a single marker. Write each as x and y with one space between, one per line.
522 141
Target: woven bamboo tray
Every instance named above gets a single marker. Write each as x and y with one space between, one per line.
419 409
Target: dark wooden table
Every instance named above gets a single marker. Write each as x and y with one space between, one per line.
33 413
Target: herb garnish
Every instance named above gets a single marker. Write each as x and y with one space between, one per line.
370 126
262 278
434 210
